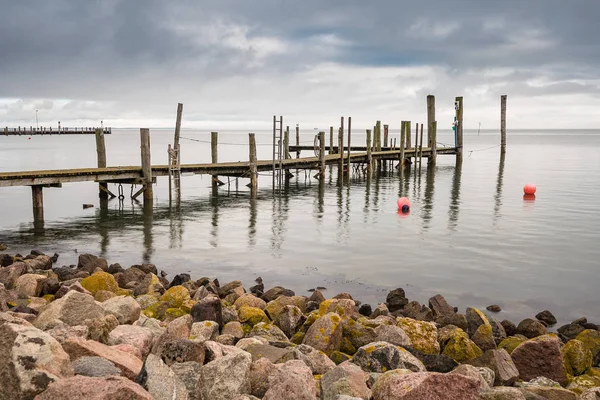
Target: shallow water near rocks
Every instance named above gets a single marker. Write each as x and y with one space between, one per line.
470 234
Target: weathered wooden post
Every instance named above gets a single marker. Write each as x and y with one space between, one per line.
385 143
331 140
178 128
433 157
322 155
369 156
430 117
459 128
253 166
214 140
421 148
503 124
349 144
37 197
341 150
286 143
101 155
404 132
146 166
297 141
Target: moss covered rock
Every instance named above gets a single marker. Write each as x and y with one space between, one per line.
484 337
577 358
310 319
325 334
275 307
460 348
48 297
173 313
176 296
249 300
591 340
156 310
510 343
423 335
298 338
581 383
342 307
252 315
357 334
100 281
339 357
268 331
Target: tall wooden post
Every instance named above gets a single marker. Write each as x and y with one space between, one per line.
322 155
341 146
430 117
459 128
331 140
369 156
37 197
503 124
385 135
433 157
421 148
146 165
214 140
349 144
286 143
403 135
297 140
253 166
101 155
178 130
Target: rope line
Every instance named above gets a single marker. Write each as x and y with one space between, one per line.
487 148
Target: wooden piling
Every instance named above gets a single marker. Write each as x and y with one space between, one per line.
286 143
331 140
178 130
297 140
37 197
369 156
322 153
341 149
459 128
214 140
433 157
349 143
253 166
403 135
101 156
503 124
385 135
146 165
421 148
430 117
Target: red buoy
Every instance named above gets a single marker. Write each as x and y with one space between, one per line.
403 204
529 189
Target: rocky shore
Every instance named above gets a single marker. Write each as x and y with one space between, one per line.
98 331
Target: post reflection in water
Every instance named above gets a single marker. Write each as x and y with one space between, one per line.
103 227
279 218
252 223
214 231
455 197
148 220
498 195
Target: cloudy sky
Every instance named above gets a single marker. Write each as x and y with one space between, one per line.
236 63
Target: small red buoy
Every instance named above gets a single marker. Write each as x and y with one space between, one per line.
529 189
403 204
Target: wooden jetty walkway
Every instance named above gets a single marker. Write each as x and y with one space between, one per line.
379 152
42 130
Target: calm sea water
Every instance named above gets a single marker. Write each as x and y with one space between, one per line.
470 236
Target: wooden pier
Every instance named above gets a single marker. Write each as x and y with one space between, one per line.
379 152
42 130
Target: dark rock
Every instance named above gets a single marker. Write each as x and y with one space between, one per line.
317 297
131 274
115 268
440 307
457 319
509 327
311 306
24 310
208 309
546 317
182 350
50 286
365 310
95 366
415 310
259 288
494 308
273 293
580 321
570 331
589 325
54 258
434 362
36 253
475 318
147 268
180 279
5 260
382 356
540 357
498 331
89 263
396 299
531 328
346 296
289 292
65 273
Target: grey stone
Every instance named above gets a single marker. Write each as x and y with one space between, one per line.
502 393
291 381
392 334
226 377
95 367
189 373
346 379
124 308
499 361
382 357
160 380
72 309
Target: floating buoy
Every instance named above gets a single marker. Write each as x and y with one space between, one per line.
529 189
29 138
403 204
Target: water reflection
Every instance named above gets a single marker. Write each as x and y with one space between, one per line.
427 210
498 195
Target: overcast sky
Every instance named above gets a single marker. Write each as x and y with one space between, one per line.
234 64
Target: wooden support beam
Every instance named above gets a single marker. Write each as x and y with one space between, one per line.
214 141
178 130
349 146
286 143
297 140
101 156
503 124
421 148
369 156
404 133
459 128
430 117
433 157
37 197
146 165
322 154
253 166
331 140
341 147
